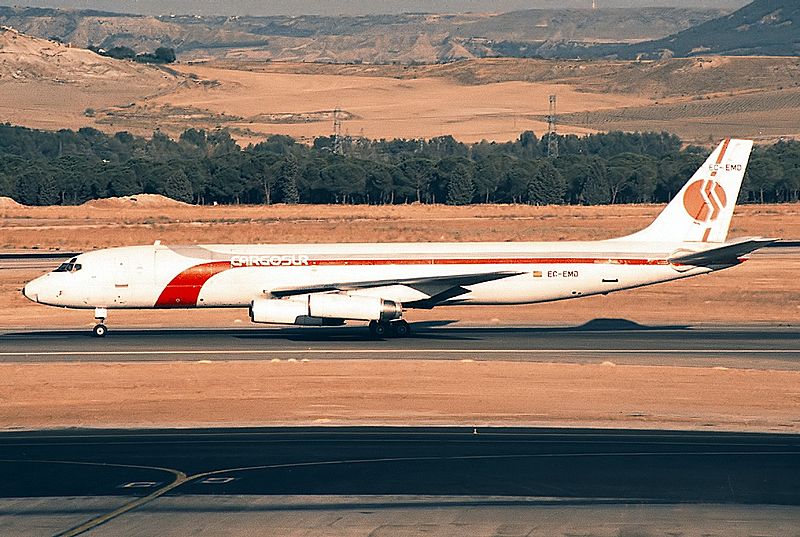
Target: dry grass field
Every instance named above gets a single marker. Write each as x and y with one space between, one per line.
380 107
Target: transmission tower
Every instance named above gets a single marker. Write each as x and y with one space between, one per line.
552 137
337 133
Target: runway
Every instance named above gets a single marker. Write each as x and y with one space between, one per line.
136 482
624 341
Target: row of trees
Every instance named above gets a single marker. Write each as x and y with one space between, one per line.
161 55
67 167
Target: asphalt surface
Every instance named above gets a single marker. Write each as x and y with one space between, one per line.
582 464
578 464
496 466
617 339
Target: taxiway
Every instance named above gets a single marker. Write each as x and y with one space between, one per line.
321 481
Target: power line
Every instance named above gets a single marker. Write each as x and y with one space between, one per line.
337 133
552 137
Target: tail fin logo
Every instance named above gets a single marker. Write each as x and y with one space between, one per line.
704 200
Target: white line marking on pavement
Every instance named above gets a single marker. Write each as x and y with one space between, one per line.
397 351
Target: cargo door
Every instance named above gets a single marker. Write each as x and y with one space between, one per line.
122 281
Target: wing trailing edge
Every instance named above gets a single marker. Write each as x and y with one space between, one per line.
438 288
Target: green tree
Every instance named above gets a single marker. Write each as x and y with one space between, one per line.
288 176
547 186
344 181
514 186
121 53
454 177
198 173
419 173
122 181
460 190
178 186
596 188
379 184
632 178
487 179
763 174
37 187
165 54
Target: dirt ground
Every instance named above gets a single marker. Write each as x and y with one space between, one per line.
395 392
762 290
103 224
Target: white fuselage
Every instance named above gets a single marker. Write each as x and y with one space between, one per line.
158 276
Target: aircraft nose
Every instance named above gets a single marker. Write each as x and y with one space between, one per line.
30 291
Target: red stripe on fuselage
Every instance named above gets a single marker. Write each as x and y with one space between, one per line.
184 289
501 261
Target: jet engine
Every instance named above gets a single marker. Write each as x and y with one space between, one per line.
361 308
323 309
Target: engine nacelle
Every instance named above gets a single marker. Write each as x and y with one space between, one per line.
273 311
361 308
323 309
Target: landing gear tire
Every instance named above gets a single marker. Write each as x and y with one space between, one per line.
99 330
400 328
378 330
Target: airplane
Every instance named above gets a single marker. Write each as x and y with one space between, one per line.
329 284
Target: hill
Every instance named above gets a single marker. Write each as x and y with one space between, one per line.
50 85
405 38
762 28
23 57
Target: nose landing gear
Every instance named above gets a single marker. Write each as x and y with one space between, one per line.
100 329
398 328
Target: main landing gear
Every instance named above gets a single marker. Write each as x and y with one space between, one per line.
398 328
100 329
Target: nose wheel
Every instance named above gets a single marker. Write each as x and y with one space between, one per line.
99 330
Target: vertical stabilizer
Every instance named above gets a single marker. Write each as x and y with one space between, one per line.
702 210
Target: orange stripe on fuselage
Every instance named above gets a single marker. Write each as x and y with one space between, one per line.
184 289
722 152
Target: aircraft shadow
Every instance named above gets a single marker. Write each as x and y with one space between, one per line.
424 330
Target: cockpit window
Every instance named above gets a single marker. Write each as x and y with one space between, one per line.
69 266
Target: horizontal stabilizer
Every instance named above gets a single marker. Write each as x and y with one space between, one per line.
727 254
431 286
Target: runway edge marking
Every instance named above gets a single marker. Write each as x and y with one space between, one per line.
394 351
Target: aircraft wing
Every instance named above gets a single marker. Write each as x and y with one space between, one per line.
438 288
727 254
